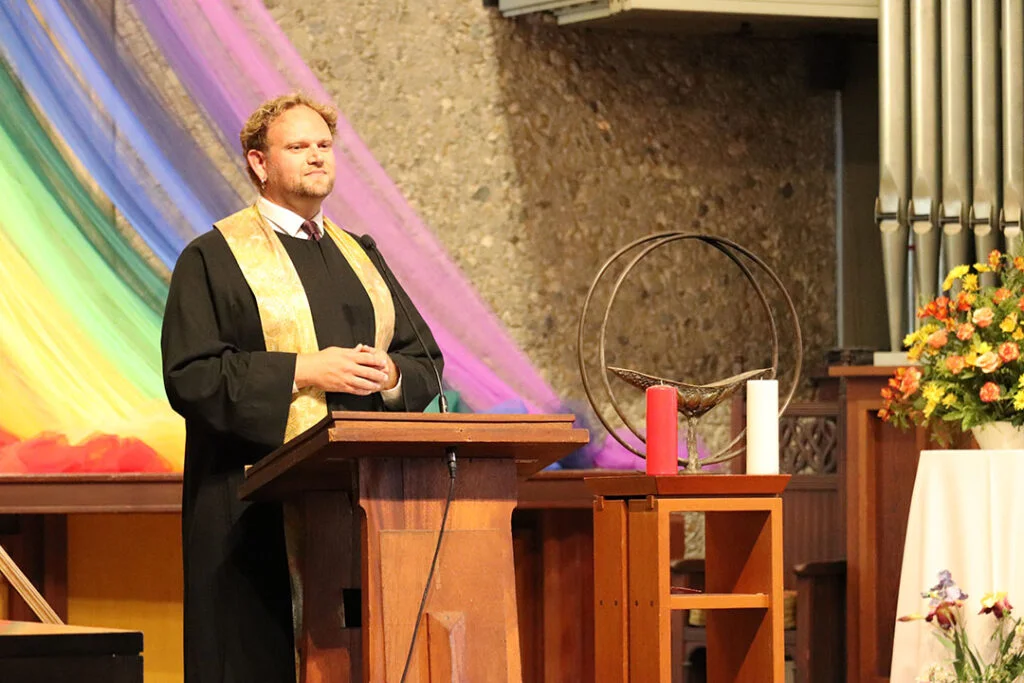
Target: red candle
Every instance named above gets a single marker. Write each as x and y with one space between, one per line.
662 430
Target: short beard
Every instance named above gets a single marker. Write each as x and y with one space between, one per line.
311 189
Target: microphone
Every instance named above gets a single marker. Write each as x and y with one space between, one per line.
371 247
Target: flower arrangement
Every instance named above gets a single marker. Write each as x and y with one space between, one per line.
968 354
946 615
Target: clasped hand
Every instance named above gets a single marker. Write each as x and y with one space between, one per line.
362 371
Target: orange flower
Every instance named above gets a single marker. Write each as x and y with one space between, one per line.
886 393
910 381
937 340
989 393
1020 304
955 364
938 309
964 331
964 301
1000 295
1018 262
983 317
883 414
993 258
1009 352
988 362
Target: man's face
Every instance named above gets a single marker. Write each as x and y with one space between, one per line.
299 161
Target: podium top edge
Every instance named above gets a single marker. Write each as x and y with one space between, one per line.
497 418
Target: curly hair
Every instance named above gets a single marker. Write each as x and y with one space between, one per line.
254 132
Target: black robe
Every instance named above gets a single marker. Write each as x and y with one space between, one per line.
234 396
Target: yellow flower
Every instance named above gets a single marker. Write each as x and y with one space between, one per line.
1020 380
972 357
980 346
949 400
954 274
970 283
1018 400
930 407
1009 323
982 267
915 351
1018 334
911 338
932 392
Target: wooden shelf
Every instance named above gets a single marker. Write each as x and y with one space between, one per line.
719 601
89 493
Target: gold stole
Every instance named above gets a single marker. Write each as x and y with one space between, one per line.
288 326
282 303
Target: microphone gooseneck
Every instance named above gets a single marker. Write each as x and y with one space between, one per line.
371 246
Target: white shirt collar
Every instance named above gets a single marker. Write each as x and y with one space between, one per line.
285 220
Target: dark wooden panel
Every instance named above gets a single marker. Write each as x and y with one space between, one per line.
27 639
27 550
120 669
568 552
555 593
896 456
55 563
527 545
813 522
820 650
38 545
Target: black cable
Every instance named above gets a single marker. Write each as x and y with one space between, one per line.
442 402
450 457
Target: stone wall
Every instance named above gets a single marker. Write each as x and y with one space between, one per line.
535 151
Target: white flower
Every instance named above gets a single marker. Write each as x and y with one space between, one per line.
936 674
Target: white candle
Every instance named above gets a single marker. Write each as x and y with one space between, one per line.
763 426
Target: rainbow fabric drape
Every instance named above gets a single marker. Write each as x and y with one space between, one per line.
118 144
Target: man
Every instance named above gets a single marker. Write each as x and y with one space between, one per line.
273 318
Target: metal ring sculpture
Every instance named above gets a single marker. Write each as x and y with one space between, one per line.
696 400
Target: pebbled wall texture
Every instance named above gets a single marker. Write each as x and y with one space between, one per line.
535 151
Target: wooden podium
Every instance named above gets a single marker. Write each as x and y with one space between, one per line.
371 489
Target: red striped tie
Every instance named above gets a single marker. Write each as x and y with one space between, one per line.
312 229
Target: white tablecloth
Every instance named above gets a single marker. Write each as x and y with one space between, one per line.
967 516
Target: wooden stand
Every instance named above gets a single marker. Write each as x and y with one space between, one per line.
371 489
633 596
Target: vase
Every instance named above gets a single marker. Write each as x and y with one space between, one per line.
999 436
